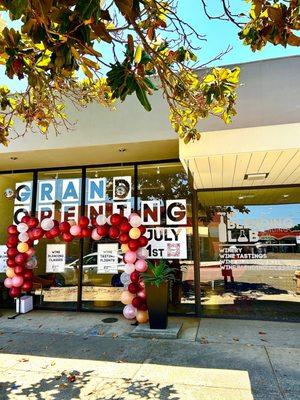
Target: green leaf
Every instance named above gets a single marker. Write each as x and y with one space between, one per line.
17 8
141 95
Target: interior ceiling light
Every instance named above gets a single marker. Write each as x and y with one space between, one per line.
13 158
285 195
158 171
122 150
256 176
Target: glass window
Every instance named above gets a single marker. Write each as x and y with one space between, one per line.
58 197
251 253
16 198
109 190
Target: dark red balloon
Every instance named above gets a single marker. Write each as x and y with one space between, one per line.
28 274
19 270
142 229
33 222
12 230
67 237
124 219
124 238
94 222
31 234
116 219
143 241
102 230
15 292
125 227
48 235
133 288
133 244
11 253
13 240
135 277
83 222
27 285
25 219
113 232
11 263
56 223
38 233
64 227
55 231
137 302
86 232
21 258
143 307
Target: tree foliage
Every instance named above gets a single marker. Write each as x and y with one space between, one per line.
55 48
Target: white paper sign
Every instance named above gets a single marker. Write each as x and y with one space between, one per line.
107 260
167 243
3 258
55 258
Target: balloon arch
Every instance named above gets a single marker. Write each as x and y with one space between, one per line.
129 232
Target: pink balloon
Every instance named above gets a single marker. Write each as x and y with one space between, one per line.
17 281
141 266
130 257
95 235
75 230
129 311
30 252
142 294
8 283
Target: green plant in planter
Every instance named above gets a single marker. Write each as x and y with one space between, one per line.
160 273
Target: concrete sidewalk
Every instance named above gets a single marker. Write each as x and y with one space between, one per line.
64 355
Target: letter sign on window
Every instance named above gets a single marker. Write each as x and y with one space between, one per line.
150 212
176 212
23 193
122 188
46 192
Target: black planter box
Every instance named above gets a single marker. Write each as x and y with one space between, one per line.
157 301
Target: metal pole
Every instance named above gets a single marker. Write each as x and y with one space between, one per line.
81 242
196 245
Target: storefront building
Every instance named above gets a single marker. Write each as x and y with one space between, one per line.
224 211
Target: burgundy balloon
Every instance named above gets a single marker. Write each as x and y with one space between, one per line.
143 307
113 232
11 253
55 231
142 229
133 244
21 258
19 270
38 233
27 285
83 221
13 240
137 302
25 219
135 276
115 219
67 237
86 232
143 241
133 288
103 230
125 227
124 219
124 238
28 274
31 234
11 263
64 227
15 292
48 235
12 230
33 222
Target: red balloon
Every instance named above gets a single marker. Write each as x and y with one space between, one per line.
12 230
15 292
11 253
33 222
116 219
142 229
64 227
143 307
19 270
21 258
143 241
102 230
48 235
113 232
13 240
11 263
25 219
137 302
135 277
133 244
94 222
83 222
31 234
27 285
67 237
133 288
55 231
56 223
37 233
124 219
86 232
28 274
124 238
125 227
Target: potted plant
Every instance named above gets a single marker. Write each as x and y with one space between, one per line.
157 288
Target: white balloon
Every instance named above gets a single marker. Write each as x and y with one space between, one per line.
108 220
32 263
142 253
23 237
129 268
22 227
135 221
47 224
101 220
125 278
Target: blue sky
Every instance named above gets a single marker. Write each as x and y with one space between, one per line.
219 35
